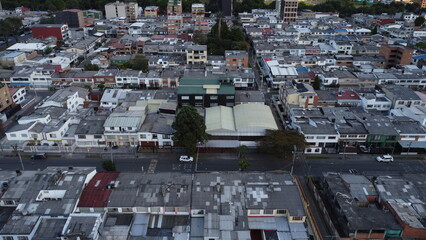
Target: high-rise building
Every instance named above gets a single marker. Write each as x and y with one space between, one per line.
287 10
122 10
174 7
396 55
198 11
422 3
73 17
225 7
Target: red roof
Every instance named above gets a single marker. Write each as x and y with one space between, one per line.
73 10
13 91
96 193
348 95
312 75
386 21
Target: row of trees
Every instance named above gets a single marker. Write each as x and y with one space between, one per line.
10 27
347 8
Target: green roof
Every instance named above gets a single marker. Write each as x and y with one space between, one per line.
201 81
223 90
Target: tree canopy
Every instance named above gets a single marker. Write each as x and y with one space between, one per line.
10 27
222 38
280 142
190 129
419 21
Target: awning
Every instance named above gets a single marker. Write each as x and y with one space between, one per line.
412 144
18 84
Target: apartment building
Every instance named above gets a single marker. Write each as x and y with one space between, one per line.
5 99
151 11
198 10
72 17
128 10
196 54
174 7
236 59
174 24
287 10
396 55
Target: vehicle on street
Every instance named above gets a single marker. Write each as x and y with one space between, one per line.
185 158
17 117
364 149
384 158
39 156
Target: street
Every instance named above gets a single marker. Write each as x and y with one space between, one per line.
213 162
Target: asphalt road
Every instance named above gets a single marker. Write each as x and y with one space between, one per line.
166 162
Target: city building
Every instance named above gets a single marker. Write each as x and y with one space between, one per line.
174 7
151 11
196 54
43 31
174 24
198 10
11 59
396 55
5 97
72 17
128 11
236 59
287 10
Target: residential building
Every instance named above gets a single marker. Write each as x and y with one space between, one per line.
174 24
122 126
197 10
71 98
72 17
174 7
320 134
236 59
287 10
5 97
401 97
90 16
396 55
382 135
353 198
11 59
128 10
243 124
151 11
348 99
90 132
297 95
43 31
17 94
207 92
196 54
112 98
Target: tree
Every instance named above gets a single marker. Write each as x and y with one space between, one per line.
108 165
242 151
91 67
421 45
48 50
190 129
317 83
139 63
280 142
10 27
374 30
243 164
419 21
101 86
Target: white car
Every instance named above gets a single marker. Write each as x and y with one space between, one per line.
385 158
185 158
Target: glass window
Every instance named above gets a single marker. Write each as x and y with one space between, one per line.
184 97
198 97
82 136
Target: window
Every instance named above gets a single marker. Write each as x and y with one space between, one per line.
166 136
309 137
317 150
111 128
184 97
129 128
400 102
361 136
321 137
24 135
12 135
297 218
34 135
154 136
7 238
82 136
254 212
281 211
97 136
52 135
229 97
22 238
331 137
213 97
376 137
343 136
198 97
308 150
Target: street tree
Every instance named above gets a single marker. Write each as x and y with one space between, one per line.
10 27
242 151
419 21
243 164
139 63
280 142
108 165
190 129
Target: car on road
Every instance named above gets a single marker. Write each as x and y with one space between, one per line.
385 158
185 158
364 148
17 117
39 156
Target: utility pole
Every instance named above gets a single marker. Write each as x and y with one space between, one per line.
15 148
408 150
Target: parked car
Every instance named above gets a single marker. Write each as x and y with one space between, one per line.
384 158
17 117
185 158
364 149
39 156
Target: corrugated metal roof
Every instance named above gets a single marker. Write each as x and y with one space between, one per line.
249 117
220 117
